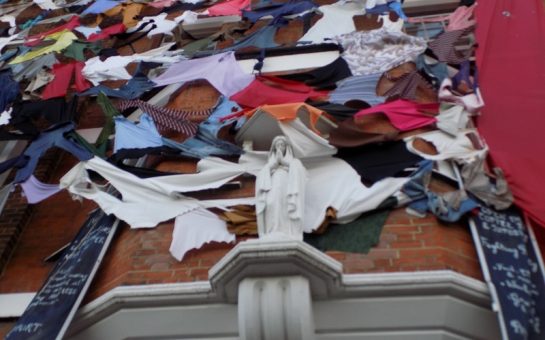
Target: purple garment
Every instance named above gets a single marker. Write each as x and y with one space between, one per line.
36 191
221 71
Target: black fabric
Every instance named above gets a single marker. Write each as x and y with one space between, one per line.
123 154
108 52
143 172
374 162
186 6
325 77
338 111
132 37
54 110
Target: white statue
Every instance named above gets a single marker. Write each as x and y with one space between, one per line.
280 188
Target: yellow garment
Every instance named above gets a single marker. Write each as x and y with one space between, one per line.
129 11
63 39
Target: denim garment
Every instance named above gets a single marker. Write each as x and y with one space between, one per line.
385 8
199 148
16 162
442 206
262 38
206 141
54 136
437 72
9 89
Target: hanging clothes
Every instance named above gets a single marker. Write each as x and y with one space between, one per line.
357 236
459 147
339 111
36 191
377 161
63 39
378 50
460 19
68 26
240 219
350 134
149 201
77 49
51 137
262 39
452 119
363 87
194 229
444 46
337 19
472 102
29 69
134 88
384 6
55 111
325 77
108 129
107 32
493 193
405 115
167 119
405 86
221 71
63 77
436 72
9 89
100 6
129 135
113 68
258 93
162 25
130 11
231 7
448 207
277 12
5 117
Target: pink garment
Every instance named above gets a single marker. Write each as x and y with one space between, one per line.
161 3
403 114
460 19
221 70
471 102
259 93
107 32
36 191
511 37
232 7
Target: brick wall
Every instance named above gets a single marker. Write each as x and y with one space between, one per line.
406 244
16 212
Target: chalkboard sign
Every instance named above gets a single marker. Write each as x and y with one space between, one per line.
515 272
53 307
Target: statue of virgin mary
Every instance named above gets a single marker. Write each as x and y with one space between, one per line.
280 188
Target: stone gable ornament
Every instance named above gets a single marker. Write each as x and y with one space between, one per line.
280 188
